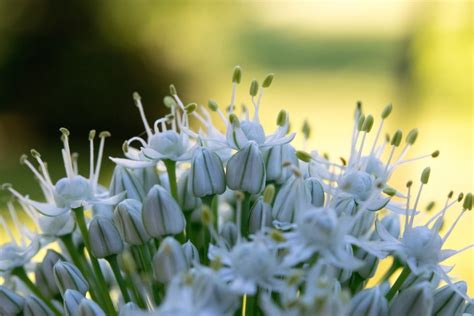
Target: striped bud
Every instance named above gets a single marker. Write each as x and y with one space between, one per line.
72 299
416 300
246 170
369 302
104 237
169 260
274 158
89 308
44 275
316 191
260 216
10 303
447 302
207 173
36 307
68 276
191 253
124 180
229 233
187 200
128 220
161 214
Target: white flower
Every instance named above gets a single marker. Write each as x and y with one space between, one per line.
249 265
319 231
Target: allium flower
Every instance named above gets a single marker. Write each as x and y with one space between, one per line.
249 265
72 191
319 231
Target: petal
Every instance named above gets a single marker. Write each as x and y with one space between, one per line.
133 164
46 208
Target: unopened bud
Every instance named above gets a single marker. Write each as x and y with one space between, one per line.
191 253
447 301
44 276
89 308
128 220
10 302
68 276
36 307
169 260
316 191
207 173
416 300
260 215
72 299
104 237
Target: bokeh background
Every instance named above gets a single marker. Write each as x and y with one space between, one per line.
76 64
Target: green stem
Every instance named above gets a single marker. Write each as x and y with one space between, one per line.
171 170
118 276
394 267
401 278
245 215
21 274
102 284
82 265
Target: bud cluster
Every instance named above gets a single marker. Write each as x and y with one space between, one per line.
211 221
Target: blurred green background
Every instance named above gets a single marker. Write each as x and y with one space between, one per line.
76 64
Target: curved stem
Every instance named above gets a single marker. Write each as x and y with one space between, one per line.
118 276
102 285
171 170
401 278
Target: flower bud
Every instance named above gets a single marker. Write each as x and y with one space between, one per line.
392 224
89 308
124 180
274 158
161 214
246 170
207 173
147 177
229 233
316 191
169 260
447 302
44 275
72 299
128 220
416 300
289 200
104 238
68 276
187 200
10 303
129 309
369 302
191 253
36 307
260 216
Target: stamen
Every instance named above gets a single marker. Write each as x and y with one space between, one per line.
91 154
42 165
46 184
407 213
442 212
66 153
102 137
138 103
74 158
434 154
138 139
16 222
6 228
453 225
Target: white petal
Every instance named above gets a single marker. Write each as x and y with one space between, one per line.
133 164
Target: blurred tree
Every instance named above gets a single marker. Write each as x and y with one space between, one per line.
61 68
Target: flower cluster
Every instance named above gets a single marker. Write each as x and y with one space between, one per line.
202 220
